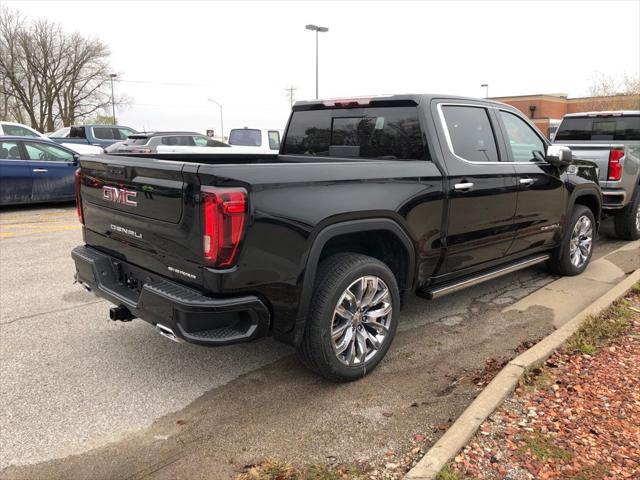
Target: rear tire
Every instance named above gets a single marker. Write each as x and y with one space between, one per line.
573 254
627 220
352 319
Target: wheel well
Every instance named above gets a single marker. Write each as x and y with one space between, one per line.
591 202
380 244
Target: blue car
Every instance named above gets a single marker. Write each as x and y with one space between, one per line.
34 170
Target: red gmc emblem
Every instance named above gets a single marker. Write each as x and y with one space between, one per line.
119 195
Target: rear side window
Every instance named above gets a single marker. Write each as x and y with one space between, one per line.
246 137
179 140
105 133
471 134
136 141
599 128
374 132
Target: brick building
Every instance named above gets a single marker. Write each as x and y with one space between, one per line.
547 110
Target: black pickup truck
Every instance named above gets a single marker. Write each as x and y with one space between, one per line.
368 200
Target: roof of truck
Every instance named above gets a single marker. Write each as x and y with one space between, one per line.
608 113
403 99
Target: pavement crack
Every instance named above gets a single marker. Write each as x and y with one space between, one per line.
26 317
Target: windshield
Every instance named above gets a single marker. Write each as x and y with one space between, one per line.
246 137
599 128
62 133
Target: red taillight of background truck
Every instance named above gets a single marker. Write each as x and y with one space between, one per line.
615 168
79 211
224 212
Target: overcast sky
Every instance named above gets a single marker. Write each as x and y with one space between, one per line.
244 54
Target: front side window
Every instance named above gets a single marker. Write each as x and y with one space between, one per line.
274 140
525 145
201 141
9 151
48 153
245 137
123 133
471 134
105 133
391 133
18 131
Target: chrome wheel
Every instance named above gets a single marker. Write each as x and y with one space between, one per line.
637 217
581 241
361 320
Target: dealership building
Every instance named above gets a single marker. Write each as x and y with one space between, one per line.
547 110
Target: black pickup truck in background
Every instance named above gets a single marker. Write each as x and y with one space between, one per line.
368 200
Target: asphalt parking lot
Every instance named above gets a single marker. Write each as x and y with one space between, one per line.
78 391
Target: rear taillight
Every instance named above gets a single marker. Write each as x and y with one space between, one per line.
78 198
615 168
224 213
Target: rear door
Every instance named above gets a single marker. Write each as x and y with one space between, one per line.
52 171
15 174
541 189
482 186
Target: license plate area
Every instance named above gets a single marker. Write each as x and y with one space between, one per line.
130 278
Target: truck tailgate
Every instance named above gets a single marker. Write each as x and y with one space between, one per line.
595 152
141 210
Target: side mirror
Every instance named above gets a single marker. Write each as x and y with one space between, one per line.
559 155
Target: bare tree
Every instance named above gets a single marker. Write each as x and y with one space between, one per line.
610 93
49 76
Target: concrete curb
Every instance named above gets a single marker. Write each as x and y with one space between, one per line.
459 434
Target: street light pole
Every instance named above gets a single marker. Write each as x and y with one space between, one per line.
113 103
486 89
317 29
221 118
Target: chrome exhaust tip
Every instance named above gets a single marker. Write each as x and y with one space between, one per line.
167 333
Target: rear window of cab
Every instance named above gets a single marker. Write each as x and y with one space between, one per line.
386 133
610 127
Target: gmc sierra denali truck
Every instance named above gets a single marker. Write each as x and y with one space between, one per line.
368 200
612 141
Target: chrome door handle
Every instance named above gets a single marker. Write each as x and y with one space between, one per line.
463 187
40 170
526 181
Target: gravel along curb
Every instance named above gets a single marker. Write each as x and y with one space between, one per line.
504 383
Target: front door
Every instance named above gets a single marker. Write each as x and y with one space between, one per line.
15 174
53 171
482 187
542 193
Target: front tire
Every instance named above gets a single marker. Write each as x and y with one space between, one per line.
573 254
627 221
353 317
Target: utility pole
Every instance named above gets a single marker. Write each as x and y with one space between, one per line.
221 118
290 91
113 103
317 29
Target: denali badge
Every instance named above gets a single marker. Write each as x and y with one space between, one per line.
181 272
126 231
119 195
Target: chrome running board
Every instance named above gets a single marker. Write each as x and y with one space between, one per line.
442 290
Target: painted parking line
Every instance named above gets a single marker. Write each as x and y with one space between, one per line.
35 230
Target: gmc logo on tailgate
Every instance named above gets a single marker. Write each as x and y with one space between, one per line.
119 195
